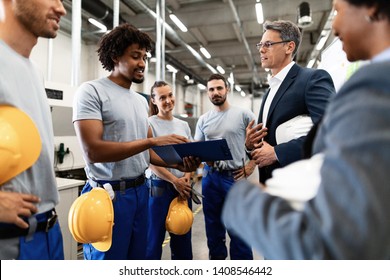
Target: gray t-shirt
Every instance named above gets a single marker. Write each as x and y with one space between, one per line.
162 127
124 114
229 124
22 86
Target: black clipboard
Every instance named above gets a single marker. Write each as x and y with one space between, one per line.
211 150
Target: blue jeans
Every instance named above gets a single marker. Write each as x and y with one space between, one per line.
215 186
129 235
161 195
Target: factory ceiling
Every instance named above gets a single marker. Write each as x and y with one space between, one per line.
227 29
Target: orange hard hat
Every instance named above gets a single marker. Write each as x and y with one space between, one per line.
179 218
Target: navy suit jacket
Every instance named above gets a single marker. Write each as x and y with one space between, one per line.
304 91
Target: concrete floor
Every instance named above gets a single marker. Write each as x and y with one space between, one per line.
199 242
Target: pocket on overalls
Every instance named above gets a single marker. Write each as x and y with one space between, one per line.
156 190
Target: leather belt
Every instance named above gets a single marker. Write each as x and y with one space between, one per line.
120 185
158 187
225 172
45 220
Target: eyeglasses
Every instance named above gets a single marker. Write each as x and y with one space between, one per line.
268 44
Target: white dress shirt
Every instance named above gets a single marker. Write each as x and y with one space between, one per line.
274 83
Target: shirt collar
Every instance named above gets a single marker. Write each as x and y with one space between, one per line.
278 78
383 56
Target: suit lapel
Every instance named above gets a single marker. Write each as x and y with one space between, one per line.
283 88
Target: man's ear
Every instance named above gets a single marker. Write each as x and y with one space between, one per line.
114 59
291 47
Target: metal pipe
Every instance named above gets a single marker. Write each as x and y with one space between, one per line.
115 21
160 40
253 63
76 41
49 58
172 33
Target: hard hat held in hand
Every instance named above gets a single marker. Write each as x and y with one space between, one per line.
20 143
91 218
179 218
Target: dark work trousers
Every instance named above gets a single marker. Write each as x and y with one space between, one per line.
160 197
130 226
215 186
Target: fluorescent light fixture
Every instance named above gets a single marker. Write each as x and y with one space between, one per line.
231 78
187 78
243 94
205 52
238 88
178 22
259 13
220 69
99 25
321 43
311 62
201 87
171 68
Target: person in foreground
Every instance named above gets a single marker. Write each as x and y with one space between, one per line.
348 218
111 122
28 229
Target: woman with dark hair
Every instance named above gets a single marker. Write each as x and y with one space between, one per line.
166 183
349 216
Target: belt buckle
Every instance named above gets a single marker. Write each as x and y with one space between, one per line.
51 221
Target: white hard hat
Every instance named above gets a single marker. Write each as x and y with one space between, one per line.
297 182
293 129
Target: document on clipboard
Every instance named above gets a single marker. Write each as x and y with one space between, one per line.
211 150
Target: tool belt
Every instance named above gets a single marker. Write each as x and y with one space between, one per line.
45 222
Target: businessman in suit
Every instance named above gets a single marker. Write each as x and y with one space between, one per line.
349 216
294 91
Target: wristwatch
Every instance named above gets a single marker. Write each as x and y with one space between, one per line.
248 152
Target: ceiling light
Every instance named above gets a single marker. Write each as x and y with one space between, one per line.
171 68
220 69
238 88
186 77
321 43
201 87
259 12
243 94
99 25
178 22
205 52
311 62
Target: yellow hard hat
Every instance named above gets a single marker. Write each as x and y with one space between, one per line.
91 218
179 218
20 143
